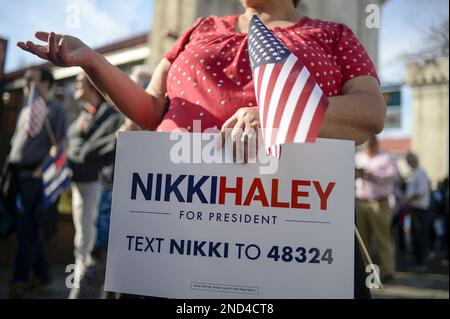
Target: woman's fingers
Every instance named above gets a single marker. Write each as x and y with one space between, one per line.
53 49
236 136
62 50
41 35
250 140
49 52
242 129
39 50
238 129
225 131
23 46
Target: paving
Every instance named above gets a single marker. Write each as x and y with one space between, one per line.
432 284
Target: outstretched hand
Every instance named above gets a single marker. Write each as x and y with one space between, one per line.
61 50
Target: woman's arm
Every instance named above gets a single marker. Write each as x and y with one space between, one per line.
146 108
357 114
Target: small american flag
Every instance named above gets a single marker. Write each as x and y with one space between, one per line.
56 176
37 114
291 104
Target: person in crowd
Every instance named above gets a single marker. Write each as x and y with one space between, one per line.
417 199
31 144
400 213
142 75
437 225
376 175
91 148
93 280
207 76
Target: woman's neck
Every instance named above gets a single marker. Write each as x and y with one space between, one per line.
269 11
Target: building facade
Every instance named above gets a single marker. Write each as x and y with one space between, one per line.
430 128
172 18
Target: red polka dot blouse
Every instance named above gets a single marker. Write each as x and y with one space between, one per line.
210 77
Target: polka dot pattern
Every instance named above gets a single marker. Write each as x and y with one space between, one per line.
210 77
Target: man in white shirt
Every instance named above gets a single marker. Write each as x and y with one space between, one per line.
417 199
376 173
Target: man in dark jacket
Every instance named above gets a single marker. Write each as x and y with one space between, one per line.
89 151
39 119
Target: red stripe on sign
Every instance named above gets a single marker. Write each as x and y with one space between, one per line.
300 107
270 87
317 120
287 90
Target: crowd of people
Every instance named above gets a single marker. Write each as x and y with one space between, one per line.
89 143
398 214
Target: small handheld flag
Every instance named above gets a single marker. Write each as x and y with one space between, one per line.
291 104
38 113
56 176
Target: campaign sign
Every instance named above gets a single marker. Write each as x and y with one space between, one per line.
220 230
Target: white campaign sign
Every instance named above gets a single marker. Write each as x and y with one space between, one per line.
224 230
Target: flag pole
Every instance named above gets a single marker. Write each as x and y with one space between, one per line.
367 257
31 92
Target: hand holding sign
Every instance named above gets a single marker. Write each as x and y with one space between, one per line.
242 128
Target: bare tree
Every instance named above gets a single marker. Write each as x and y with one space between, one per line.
436 43
437 36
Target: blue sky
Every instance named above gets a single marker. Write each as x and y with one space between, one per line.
103 22
402 31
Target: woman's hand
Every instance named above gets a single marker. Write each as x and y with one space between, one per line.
61 50
243 128
146 108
